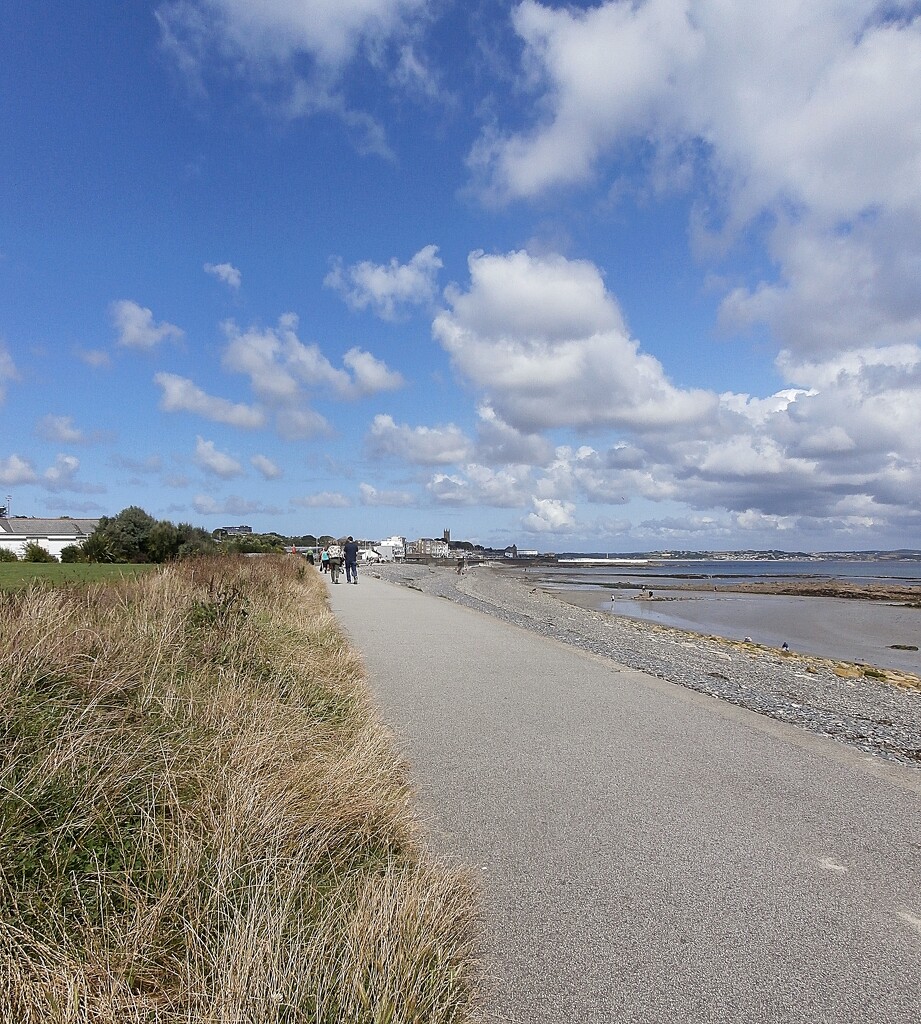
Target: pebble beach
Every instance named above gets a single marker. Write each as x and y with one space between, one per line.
878 711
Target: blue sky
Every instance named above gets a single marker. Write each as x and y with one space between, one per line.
625 276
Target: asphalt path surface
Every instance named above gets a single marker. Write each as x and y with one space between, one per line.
647 853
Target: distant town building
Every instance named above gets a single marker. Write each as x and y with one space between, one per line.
429 547
393 549
52 534
232 531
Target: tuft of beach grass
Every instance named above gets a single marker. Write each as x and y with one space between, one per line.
202 817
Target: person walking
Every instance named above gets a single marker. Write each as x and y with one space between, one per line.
324 560
351 561
335 562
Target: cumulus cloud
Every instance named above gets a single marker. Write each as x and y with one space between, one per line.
62 476
215 462
474 485
778 96
225 272
181 395
793 120
16 470
498 443
550 516
424 446
547 343
60 429
267 469
369 495
136 327
370 375
284 372
323 499
299 424
388 289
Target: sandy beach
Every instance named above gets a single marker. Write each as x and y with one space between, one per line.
877 710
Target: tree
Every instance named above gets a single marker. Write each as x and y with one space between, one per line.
163 542
130 531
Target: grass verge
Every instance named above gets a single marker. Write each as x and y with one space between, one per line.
16 575
202 818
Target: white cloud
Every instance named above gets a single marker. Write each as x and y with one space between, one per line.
232 505
480 485
547 343
299 424
778 94
136 327
789 120
182 395
8 370
286 48
225 272
424 446
265 467
212 461
278 31
837 289
16 470
370 375
279 365
415 76
371 496
152 464
60 429
500 444
388 289
550 516
323 499
94 357
62 476
284 372
604 71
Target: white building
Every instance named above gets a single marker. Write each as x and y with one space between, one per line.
393 549
52 534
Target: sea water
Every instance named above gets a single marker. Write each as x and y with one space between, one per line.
869 632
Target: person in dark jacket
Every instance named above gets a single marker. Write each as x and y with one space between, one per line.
351 561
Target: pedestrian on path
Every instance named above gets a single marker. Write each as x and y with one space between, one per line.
351 561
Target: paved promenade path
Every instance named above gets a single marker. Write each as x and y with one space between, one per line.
647 854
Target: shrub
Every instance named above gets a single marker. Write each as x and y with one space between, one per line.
73 553
34 552
8 556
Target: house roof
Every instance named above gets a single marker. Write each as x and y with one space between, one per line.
64 527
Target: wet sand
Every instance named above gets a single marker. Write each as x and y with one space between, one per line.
869 631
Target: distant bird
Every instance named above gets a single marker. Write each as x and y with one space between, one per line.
785 646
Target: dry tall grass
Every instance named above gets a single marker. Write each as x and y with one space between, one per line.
201 817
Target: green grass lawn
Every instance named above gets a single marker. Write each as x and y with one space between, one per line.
14 575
